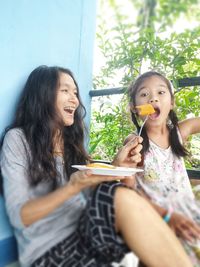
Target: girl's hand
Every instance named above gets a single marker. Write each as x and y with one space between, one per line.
84 179
129 155
184 227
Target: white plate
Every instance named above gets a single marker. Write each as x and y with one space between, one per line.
118 171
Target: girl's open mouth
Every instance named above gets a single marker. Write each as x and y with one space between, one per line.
155 115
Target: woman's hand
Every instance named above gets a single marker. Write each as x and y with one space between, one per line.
129 155
84 179
184 227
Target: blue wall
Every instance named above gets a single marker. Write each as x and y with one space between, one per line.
50 32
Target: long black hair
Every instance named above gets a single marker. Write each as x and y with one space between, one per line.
37 117
177 148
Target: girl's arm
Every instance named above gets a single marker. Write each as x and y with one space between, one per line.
188 127
181 225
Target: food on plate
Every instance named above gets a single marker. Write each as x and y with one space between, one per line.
145 109
100 165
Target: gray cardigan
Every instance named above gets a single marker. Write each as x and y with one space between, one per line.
34 240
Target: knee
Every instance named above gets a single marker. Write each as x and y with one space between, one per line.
126 201
125 196
129 205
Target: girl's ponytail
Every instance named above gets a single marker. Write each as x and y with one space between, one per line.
174 138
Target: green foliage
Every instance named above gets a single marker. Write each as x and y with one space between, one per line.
143 38
188 103
112 125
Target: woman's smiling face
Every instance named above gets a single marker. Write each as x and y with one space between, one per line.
155 91
66 101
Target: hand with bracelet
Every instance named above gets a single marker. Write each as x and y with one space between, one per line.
182 226
168 215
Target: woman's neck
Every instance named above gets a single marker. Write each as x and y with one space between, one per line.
58 145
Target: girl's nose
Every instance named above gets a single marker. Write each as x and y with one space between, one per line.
153 99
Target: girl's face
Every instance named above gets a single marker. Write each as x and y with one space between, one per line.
66 100
155 91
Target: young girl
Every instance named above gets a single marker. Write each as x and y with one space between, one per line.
56 221
163 146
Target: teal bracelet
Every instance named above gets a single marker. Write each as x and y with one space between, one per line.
167 217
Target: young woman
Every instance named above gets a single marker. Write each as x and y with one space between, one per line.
57 221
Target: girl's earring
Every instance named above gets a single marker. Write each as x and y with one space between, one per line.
170 124
132 108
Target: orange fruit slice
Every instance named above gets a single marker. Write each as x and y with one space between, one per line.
100 165
146 109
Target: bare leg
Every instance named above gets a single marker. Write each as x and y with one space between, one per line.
145 233
140 264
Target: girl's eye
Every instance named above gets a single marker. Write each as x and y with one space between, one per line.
143 94
161 92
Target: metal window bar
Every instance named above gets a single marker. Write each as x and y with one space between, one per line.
185 82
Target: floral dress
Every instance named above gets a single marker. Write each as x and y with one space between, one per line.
164 172
166 182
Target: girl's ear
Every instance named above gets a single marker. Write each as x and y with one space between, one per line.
132 108
172 104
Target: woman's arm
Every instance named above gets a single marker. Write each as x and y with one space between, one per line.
17 189
23 206
188 127
36 209
129 155
39 208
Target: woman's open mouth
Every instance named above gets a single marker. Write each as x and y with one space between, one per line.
69 110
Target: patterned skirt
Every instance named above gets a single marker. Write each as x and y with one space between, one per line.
95 243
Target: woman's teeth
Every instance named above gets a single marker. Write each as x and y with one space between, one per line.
69 109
